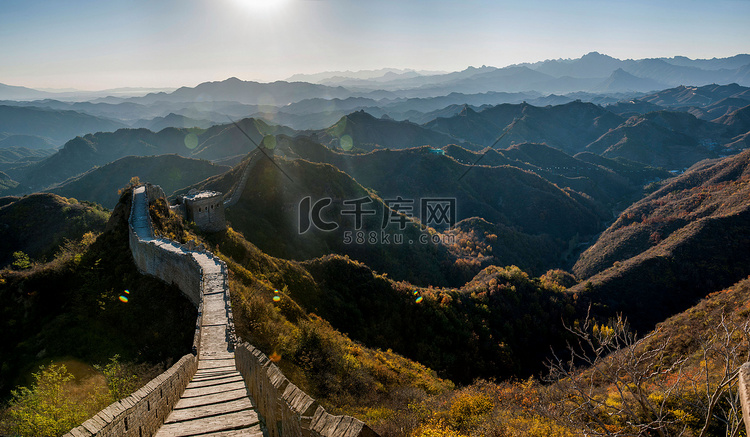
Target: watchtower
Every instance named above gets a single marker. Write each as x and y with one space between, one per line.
206 209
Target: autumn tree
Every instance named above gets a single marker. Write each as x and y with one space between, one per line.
612 383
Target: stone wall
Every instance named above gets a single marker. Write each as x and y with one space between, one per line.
240 186
154 192
171 267
287 410
153 257
744 388
142 413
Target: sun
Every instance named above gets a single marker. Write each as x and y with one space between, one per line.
261 6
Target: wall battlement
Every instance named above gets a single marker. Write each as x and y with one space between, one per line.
289 411
142 413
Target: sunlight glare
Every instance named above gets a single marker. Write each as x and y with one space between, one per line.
262 6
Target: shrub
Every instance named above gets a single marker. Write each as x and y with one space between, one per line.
44 409
438 429
21 261
469 408
120 381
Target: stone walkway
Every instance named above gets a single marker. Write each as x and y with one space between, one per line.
240 187
216 401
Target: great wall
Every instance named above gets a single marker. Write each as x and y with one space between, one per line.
222 388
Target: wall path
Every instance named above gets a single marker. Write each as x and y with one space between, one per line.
209 392
237 190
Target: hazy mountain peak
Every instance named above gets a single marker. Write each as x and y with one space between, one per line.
466 111
621 73
593 55
360 115
622 81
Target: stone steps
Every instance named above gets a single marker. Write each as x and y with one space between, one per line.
215 402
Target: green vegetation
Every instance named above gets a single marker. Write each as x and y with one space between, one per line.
476 244
21 261
465 333
6 184
60 398
678 380
460 333
267 215
120 382
344 375
39 225
71 306
45 408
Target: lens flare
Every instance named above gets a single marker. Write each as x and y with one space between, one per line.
415 292
419 299
191 141
269 142
346 142
276 298
124 299
127 292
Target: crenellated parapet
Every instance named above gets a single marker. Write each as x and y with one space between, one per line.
288 410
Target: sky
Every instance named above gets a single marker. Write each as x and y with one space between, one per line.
102 44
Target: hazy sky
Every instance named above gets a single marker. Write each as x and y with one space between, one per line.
97 44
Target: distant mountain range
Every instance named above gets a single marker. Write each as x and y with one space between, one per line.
361 74
591 72
402 95
10 92
363 131
81 154
54 125
598 116
669 139
254 93
659 130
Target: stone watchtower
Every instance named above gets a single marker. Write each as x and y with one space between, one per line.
206 209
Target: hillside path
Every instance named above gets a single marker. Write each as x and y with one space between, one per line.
216 401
